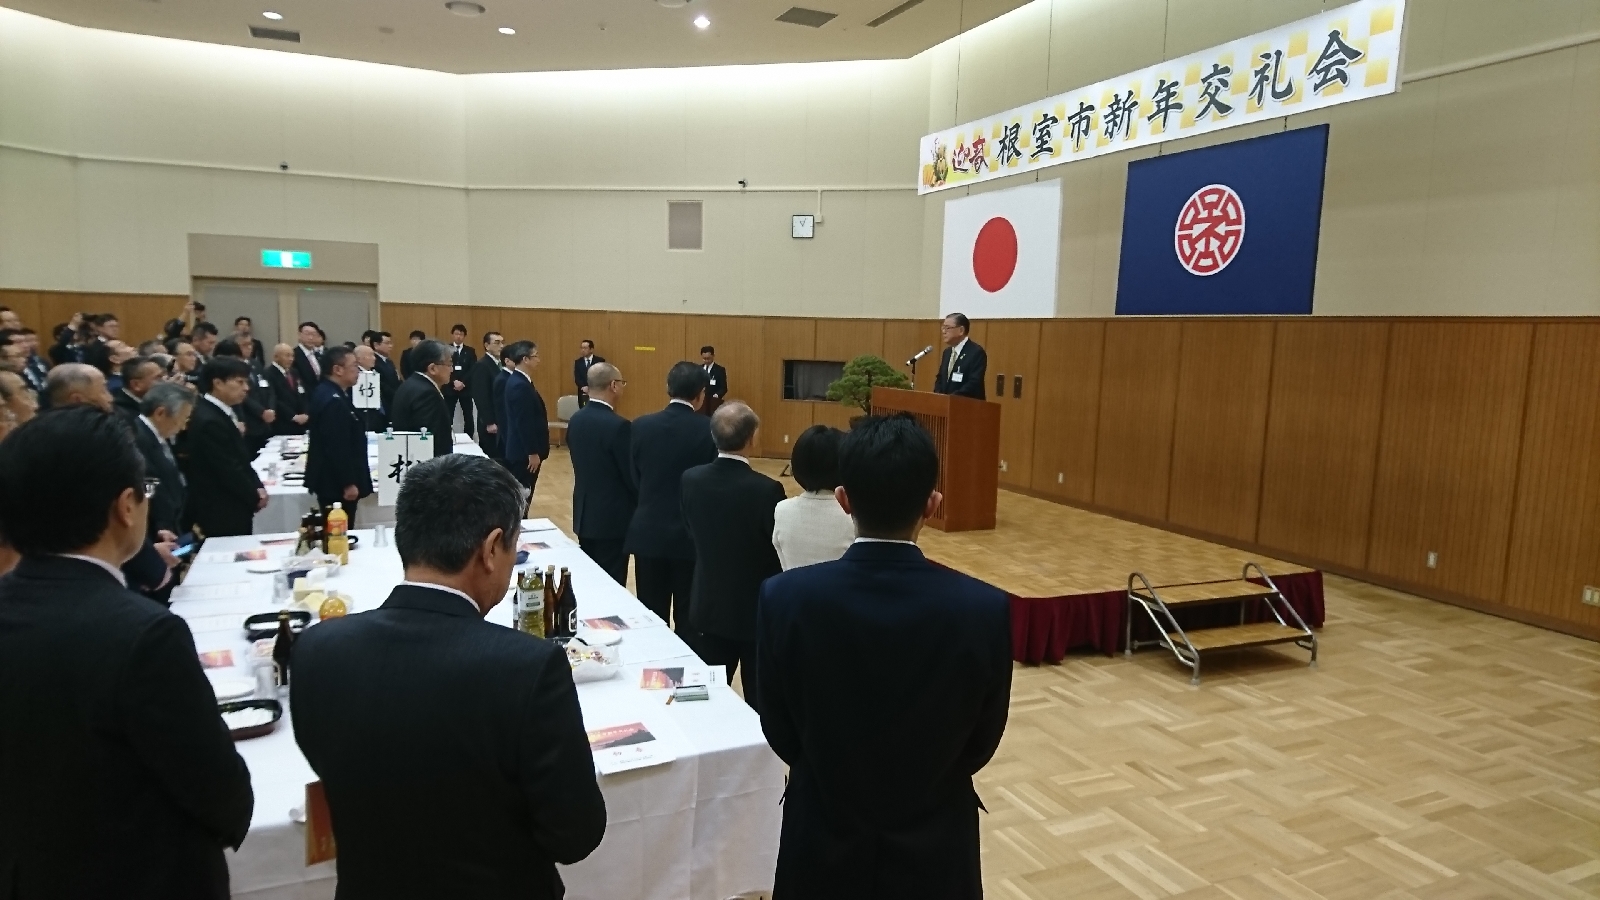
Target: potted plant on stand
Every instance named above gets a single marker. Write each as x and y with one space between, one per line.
861 375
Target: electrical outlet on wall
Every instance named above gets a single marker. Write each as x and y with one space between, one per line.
1002 465
786 439
1591 595
1433 559
1061 477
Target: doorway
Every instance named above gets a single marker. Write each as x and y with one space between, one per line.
276 309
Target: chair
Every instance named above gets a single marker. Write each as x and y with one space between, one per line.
566 408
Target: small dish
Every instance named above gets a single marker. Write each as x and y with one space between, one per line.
252 731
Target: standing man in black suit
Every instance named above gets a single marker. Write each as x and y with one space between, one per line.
164 413
286 393
138 375
416 338
663 446
462 359
480 384
336 463
256 411
729 507
388 377
244 328
963 365
224 491
604 494
580 369
880 779
420 717
308 356
524 422
497 398
419 401
118 778
716 380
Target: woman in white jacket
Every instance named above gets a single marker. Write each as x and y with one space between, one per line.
811 528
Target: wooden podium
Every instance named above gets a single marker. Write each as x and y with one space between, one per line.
967 433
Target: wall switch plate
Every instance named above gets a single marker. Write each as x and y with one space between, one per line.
1591 595
1002 465
1433 559
1061 478
786 439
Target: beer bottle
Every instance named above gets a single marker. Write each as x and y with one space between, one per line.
281 648
566 607
532 605
550 601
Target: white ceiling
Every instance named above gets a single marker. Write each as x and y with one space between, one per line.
551 34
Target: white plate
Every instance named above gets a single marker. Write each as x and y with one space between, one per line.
264 567
232 688
600 638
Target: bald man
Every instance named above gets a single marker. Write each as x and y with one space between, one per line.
287 395
73 383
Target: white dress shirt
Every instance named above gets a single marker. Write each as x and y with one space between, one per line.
448 590
721 455
862 540
223 406
113 570
810 528
684 402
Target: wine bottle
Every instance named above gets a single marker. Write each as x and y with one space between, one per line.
566 607
282 647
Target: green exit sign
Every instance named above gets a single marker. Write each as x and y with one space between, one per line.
285 259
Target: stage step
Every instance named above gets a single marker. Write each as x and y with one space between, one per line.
1208 592
1189 646
1259 634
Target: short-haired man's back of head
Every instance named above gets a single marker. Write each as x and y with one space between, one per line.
449 505
601 375
60 472
888 467
64 379
686 381
428 353
733 425
165 395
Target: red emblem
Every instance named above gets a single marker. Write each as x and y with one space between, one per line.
1210 230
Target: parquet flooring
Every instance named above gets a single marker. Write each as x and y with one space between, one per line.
1436 753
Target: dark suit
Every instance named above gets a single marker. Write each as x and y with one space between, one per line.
166 507
716 388
309 378
728 506
257 430
880 800
222 486
604 493
461 363
418 405
126 403
480 383
287 397
117 778
580 376
337 455
452 751
662 447
405 363
497 399
973 367
388 382
524 428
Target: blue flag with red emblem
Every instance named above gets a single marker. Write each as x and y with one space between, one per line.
1229 230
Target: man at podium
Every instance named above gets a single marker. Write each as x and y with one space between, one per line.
964 364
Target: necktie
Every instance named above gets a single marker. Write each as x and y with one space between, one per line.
951 369
316 365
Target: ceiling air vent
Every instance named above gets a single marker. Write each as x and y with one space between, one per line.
275 34
685 225
811 18
892 13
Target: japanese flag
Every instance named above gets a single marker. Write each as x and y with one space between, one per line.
1000 253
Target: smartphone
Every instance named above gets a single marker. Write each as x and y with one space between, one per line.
183 550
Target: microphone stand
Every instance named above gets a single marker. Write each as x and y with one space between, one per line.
913 364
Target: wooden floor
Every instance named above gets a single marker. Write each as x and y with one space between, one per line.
1437 752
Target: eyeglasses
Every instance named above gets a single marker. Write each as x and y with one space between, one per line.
150 485
948 327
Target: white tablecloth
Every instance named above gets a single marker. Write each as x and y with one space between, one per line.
703 827
287 503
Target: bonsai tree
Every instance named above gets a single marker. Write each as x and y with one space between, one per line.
861 375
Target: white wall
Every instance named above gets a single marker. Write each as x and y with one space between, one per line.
1473 192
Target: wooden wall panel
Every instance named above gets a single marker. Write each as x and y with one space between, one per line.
1138 394
903 338
783 421
562 345
1067 408
1013 348
1219 429
26 305
1447 454
1322 439
738 340
400 319
1555 533
646 346
481 320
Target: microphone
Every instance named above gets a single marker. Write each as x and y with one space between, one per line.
925 351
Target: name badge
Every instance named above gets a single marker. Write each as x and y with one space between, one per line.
713 382
458 368
262 382
955 377
300 388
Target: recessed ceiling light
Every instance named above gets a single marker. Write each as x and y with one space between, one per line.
464 8
508 31
273 15
702 22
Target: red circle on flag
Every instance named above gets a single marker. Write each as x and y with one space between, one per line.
1210 230
994 254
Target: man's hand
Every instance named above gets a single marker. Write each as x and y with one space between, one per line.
301 419
491 429
261 498
351 493
166 548
458 385
584 391
533 462
269 416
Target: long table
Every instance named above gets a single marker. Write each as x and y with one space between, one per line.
702 827
288 502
